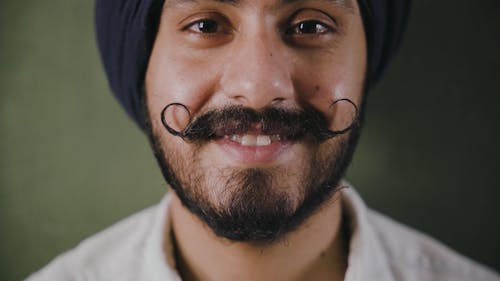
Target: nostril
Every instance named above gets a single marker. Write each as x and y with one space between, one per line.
277 101
240 99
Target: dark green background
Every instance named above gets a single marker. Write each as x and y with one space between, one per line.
71 163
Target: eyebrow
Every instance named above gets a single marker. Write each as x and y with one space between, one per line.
347 5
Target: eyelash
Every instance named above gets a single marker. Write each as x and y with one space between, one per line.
199 24
295 29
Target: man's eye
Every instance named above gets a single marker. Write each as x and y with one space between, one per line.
205 26
207 30
309 27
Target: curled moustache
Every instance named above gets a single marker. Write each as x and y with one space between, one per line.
288 124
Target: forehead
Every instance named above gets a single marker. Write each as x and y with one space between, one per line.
347 5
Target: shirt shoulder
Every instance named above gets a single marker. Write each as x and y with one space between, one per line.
415 256
112 254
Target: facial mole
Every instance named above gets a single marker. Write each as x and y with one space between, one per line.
270 54
317 88
322 255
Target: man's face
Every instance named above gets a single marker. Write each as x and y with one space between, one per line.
255 184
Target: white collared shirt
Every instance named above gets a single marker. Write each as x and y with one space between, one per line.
136 249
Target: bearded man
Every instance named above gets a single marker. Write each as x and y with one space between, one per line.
253 109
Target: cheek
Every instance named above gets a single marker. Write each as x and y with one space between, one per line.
320 90
338 76
178 77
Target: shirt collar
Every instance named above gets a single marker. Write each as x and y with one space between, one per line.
159 261
367 259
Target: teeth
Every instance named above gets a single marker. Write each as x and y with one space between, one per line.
253 140
249 140
263 140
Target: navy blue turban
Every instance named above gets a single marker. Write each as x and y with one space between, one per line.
126 30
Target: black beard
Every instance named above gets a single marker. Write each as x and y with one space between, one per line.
256 212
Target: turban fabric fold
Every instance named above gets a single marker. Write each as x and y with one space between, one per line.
126 30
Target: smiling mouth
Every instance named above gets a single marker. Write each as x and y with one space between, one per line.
255 144
253 149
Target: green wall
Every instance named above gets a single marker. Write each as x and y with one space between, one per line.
71 163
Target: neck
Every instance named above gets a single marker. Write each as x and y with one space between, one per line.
315 251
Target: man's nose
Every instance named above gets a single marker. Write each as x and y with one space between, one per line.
258 73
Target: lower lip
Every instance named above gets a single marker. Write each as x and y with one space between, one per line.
253 154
